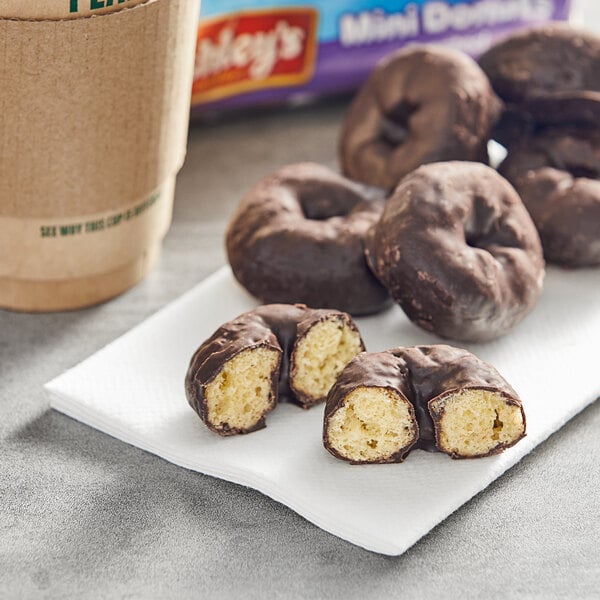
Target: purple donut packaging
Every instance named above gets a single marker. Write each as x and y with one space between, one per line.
251 53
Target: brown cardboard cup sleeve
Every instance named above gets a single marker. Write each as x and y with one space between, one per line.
93 124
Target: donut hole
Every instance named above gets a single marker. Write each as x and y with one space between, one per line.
567 78
240 395
574 151
580 171
474 239
486 227
394 125
477 422
320 207
486 240
372 425
321 355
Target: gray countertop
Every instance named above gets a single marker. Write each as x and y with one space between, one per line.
84 515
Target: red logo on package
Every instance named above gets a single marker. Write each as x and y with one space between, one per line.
253 51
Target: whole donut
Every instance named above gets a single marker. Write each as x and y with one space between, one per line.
421 104
543 61
557 174
458 251
298 236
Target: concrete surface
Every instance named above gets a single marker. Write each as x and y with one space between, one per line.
85 516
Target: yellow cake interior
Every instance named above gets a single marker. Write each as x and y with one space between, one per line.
372 425
321 355
241 393
476 421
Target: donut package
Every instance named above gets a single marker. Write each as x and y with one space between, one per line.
252 53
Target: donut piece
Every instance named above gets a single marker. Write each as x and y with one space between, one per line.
543 61
437 398
557 174
298 236
275 351
420 105
369 416
458 251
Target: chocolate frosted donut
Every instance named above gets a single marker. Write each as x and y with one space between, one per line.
236 376
298 236
557 174
543 61
437 398
420 105
458 251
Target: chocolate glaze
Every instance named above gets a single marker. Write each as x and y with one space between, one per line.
420 105
298 236
421 374
275 326
557 174
543 61
458 251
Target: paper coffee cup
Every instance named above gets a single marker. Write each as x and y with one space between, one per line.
94 128
61 9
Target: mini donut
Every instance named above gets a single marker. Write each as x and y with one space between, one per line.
420 105
298 236
274 352
543 61
557 174
458 251
437 398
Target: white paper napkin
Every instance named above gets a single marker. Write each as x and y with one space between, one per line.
133 390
